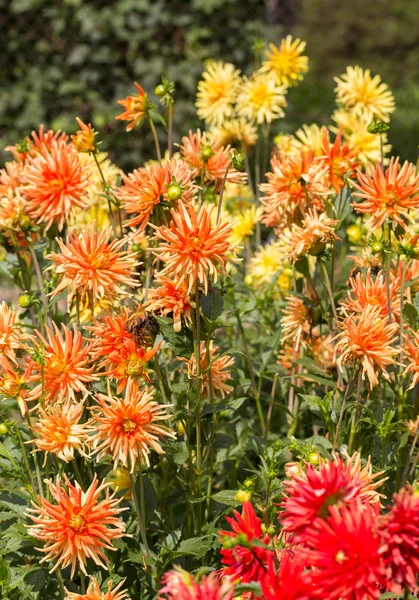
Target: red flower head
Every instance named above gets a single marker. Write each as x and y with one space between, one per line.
344 553
245 562
309 495
400 531
289 582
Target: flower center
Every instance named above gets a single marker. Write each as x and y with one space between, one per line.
340 557
128 426
195 241
77 522
134 367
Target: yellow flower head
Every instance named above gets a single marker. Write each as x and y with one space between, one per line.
235 132
244 224
217 92
363 95
267 262
287 61
261 99
310 137
285 143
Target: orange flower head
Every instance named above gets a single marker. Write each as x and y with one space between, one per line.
60 432
43 141
214 370
93 266
78 525
129 363
94 593
205 155
295 183
11 177
171 297
340 159
14 384
55 185
84 139
65 366
296 322
12 336
109 335
193 249
364 291
367 338
150 186
313 235
388 194
136 107
128 429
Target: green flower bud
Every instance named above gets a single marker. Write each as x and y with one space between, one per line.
25 300
243 496
174 192
377 247
135 248
206 153
313 458
160 91
248 483
3 429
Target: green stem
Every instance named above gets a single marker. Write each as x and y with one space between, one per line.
220 199
60 583
35 459
105 186
356 413
77 473
140 522
82 582
197 340
170 130
25 461
156 139
387 230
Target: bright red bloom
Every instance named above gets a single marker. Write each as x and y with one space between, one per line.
241 562
180 585
289 582
345 553
400 532
309 495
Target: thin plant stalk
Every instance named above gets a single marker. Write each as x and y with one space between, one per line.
342 411
105 186
271 404
140 521
170 130
60 583
156 139
35 458
25 460
220 199
357 412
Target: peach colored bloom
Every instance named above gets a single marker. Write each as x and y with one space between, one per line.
84 139
109 335
136 107
148 187
388 194
367 338
77 526
60 432
12 336
11 177
340 160
66 366
412 354
171 297
128 429
313 235
364 291
40 142
94 593
296 322
129 363
295 183
213 368
213 167
193 249
54 185
13 215
14 384
93 266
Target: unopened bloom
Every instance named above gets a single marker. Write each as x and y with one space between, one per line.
217 92
214 370
94 593
148 187
128 429
60 432
245 562
388 194
365 96
287 62
367 337
192 248
55 185
65 370
78 525
93 266
261 98
84 139
136 107
171 296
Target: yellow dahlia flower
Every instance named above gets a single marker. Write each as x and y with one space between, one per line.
235 132
217 92
287 61
261 99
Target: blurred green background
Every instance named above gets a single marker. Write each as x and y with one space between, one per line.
65 58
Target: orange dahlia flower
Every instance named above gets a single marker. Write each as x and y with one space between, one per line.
388 194
84 139
42 141
412 354
315 232
214 370
93 266
339 159
296 322
129 363
14 384
12 336
94 593
192 248
152 185
54 185
207 156
364 291
136 107
171 297
60 432
128 429
367 338
66 369
77 526
11 177
109 335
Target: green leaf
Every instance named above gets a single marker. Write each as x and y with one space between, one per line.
197 546
212 304
227 497
181 343
411 315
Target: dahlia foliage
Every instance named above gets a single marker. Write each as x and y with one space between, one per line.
209 377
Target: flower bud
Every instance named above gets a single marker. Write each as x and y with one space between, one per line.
135 247
314 458
25 300
243 496
377 247
3 428
3 253
174 192
248 483
206 153
160 91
